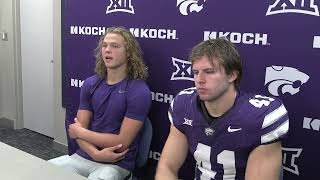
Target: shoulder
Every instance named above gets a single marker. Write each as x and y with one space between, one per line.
138 98
265 116
261 105
137 90
138 86
184 103
184 97
92 80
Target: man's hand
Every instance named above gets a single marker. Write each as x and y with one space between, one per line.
74 129
109 154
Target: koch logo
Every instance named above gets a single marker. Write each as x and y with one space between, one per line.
238 37
183 70
293 6
289 157
316 42
154 33
161 97
76 82
313 124
120 6
187 7
87 30
281 80
154 155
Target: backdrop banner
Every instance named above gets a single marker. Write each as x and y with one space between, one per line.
278 40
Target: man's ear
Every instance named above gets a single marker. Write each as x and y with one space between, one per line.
233 76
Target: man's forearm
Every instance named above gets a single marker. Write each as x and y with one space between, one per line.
128 132
87 147
101 140
165 173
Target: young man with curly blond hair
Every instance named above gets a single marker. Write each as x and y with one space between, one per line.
113 106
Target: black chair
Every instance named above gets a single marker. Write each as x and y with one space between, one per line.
143 149
281 173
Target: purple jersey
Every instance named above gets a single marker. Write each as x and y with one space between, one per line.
109 105
222 148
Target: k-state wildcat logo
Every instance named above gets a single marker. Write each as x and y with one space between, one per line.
293 6
281 80
120 6
188 6
183 70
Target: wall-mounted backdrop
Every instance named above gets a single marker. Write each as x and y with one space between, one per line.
279 42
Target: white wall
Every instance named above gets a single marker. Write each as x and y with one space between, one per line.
59 113
10 68
7 69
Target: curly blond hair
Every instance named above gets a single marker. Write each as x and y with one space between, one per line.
136 69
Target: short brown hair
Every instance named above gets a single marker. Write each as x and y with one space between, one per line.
226 53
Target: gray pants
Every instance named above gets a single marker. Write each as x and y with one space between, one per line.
90 169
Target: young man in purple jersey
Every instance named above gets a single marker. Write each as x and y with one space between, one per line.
113 106
233 135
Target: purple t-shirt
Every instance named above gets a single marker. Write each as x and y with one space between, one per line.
222 148
109 105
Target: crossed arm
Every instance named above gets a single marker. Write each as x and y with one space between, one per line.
109 143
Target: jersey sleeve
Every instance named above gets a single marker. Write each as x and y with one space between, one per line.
179 107
138 100
275 123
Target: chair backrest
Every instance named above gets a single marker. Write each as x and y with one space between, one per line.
144 145
281 173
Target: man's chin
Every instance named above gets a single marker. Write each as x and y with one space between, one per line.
203 98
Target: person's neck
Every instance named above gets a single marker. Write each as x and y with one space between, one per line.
115 75
218 107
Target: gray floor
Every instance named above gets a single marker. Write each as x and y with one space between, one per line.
31 142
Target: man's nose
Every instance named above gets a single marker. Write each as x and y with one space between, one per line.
200 78
107 48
